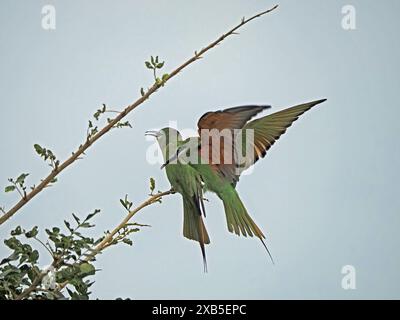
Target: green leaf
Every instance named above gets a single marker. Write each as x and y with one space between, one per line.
9 188
152 184
32 233
34 256
21 178
90 216
33 272
38 149
160 65
126 203
68 225
96 115
78 221
13 243
86 225
17 231
142 92
148 65
87 269
14 256
127 241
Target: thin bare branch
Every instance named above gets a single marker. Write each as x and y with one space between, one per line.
46 247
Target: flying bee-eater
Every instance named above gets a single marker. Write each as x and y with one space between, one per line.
222 175
187 181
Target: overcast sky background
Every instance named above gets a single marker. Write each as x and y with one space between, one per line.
326 195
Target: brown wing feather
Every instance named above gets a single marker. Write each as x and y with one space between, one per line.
227 119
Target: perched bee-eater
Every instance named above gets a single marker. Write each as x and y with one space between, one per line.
228 144
187 181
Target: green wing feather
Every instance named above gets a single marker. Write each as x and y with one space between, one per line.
186 181
267 130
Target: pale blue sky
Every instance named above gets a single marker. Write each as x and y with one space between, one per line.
326 195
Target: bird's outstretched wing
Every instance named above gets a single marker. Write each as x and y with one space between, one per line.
266 130
217 136
213 123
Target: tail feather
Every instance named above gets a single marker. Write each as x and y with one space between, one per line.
193 225
237 217
269 253
238 220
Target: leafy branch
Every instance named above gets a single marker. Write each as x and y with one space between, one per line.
154 65
20 274
93 129
17 185
47 156
111 237
72 255
112 123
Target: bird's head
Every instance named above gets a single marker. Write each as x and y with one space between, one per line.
168 139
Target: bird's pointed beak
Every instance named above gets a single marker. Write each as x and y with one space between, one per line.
152 133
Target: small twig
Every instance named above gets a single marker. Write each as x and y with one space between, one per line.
146 95
40 241
109 238
18 189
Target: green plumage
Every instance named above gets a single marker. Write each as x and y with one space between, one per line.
186 181
237 218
